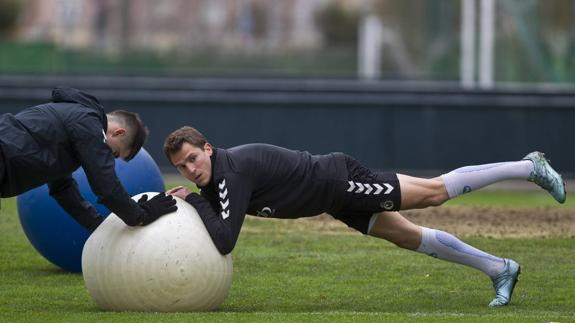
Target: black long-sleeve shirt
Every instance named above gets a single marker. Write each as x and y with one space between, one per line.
46 143
267 181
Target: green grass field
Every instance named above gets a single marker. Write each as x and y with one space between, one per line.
286 271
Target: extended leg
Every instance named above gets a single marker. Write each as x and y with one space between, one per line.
395 228
421 193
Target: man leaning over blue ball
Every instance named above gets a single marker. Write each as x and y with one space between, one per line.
47 143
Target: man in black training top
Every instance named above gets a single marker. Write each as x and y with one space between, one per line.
48 142
269 181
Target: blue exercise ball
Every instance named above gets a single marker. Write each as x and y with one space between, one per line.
55 234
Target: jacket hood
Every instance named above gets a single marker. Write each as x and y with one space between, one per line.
68 94
71 95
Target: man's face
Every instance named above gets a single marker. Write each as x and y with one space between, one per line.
194 163
114 139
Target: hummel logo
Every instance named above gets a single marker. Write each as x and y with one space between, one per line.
224 200
224 194
224 203
367 188
225 214
265 212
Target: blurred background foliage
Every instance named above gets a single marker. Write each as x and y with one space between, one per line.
9 12
535 39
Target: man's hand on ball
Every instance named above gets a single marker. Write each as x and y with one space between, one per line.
157 206
143 199
179 191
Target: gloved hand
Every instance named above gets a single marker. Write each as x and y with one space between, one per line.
157 206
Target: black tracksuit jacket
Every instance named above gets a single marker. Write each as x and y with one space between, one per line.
267 181
48 142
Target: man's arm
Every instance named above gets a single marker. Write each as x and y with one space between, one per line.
219 231
225 217
65 191
97 159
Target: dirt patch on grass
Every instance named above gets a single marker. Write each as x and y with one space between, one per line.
458 220
498 222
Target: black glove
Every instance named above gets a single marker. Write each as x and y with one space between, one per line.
157 206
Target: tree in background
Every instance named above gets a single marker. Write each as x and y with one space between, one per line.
9 12
338 25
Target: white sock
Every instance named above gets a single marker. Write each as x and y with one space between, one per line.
445 246
471 178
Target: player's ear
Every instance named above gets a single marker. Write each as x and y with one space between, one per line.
208 148
119 131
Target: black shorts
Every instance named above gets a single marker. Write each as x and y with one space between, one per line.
365 193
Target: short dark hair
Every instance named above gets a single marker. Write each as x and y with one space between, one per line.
137 131
176 139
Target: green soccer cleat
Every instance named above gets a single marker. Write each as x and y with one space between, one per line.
545 176
505 282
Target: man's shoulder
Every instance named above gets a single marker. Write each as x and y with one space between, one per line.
240 161
228 161
251 147
258 151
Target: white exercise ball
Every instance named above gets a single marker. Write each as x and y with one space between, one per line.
170 265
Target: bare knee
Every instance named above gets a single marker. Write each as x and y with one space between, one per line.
418 193
423 201
439 195
394 228
435 200
406 242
